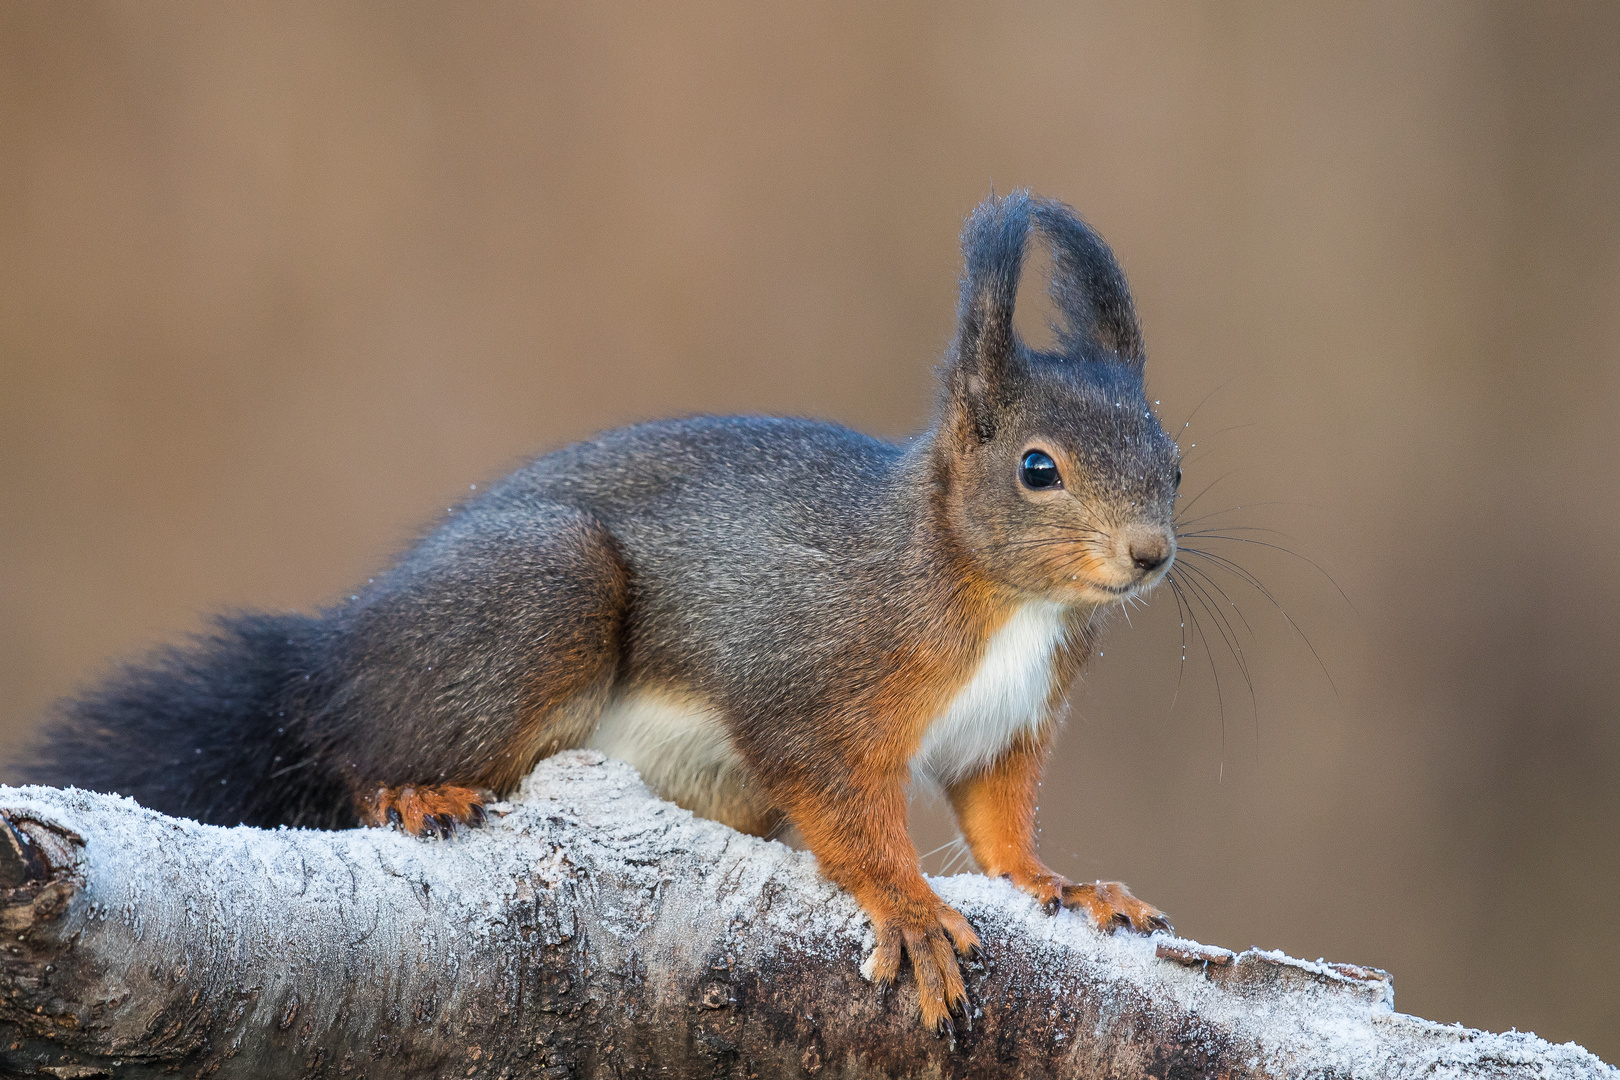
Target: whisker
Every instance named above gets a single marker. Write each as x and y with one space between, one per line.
1213 534
1243 661
1225 628
1200 405
1232 567
1181 670
1208 581
1236 652
1207 489
1220 697
959 857
1234 427
1190 461
1180 521
1208 535
1255 583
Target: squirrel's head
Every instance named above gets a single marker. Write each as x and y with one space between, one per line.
1058 476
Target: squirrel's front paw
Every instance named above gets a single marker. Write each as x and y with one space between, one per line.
932 939
1109 903
1111 906
428 810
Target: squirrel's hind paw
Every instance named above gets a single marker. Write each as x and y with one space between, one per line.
1112 907
426 810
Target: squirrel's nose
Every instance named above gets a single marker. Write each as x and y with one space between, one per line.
1150 553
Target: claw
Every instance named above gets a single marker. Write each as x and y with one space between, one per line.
477 814
933 945
423 811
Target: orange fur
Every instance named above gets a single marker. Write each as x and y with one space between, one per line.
996 811
424 810
860 840
856 824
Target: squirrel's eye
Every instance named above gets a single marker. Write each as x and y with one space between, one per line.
1039 471
1178 479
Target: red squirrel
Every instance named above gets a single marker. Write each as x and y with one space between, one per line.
772 619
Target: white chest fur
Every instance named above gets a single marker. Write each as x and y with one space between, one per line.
1009 694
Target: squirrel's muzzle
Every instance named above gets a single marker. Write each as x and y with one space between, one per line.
1149 553
1142 552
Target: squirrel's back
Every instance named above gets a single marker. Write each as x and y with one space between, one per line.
696 476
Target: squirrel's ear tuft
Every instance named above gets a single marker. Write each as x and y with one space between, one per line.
1088 288
1097 318
987 355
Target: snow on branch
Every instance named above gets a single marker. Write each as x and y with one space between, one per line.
593 930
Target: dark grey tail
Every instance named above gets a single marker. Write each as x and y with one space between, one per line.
214 731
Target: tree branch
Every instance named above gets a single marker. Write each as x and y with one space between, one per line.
595 931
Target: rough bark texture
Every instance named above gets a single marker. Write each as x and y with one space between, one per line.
593 931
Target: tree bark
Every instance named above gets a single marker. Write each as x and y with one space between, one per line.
594 931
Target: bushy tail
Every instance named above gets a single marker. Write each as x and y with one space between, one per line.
212 731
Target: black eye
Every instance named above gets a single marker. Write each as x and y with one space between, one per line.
1178 479
1039 471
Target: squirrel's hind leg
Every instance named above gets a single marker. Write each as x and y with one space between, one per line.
492 645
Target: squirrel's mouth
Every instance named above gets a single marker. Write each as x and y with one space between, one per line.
1106 571
1101 592
1087 590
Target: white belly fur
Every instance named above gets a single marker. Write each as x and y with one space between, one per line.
679 746
1008 695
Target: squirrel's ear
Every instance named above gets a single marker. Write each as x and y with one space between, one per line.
986 356
1088 288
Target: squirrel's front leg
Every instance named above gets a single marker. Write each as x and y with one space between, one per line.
857 829
996 812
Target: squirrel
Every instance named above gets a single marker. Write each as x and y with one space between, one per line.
774 620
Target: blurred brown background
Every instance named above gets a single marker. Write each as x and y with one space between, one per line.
280 281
